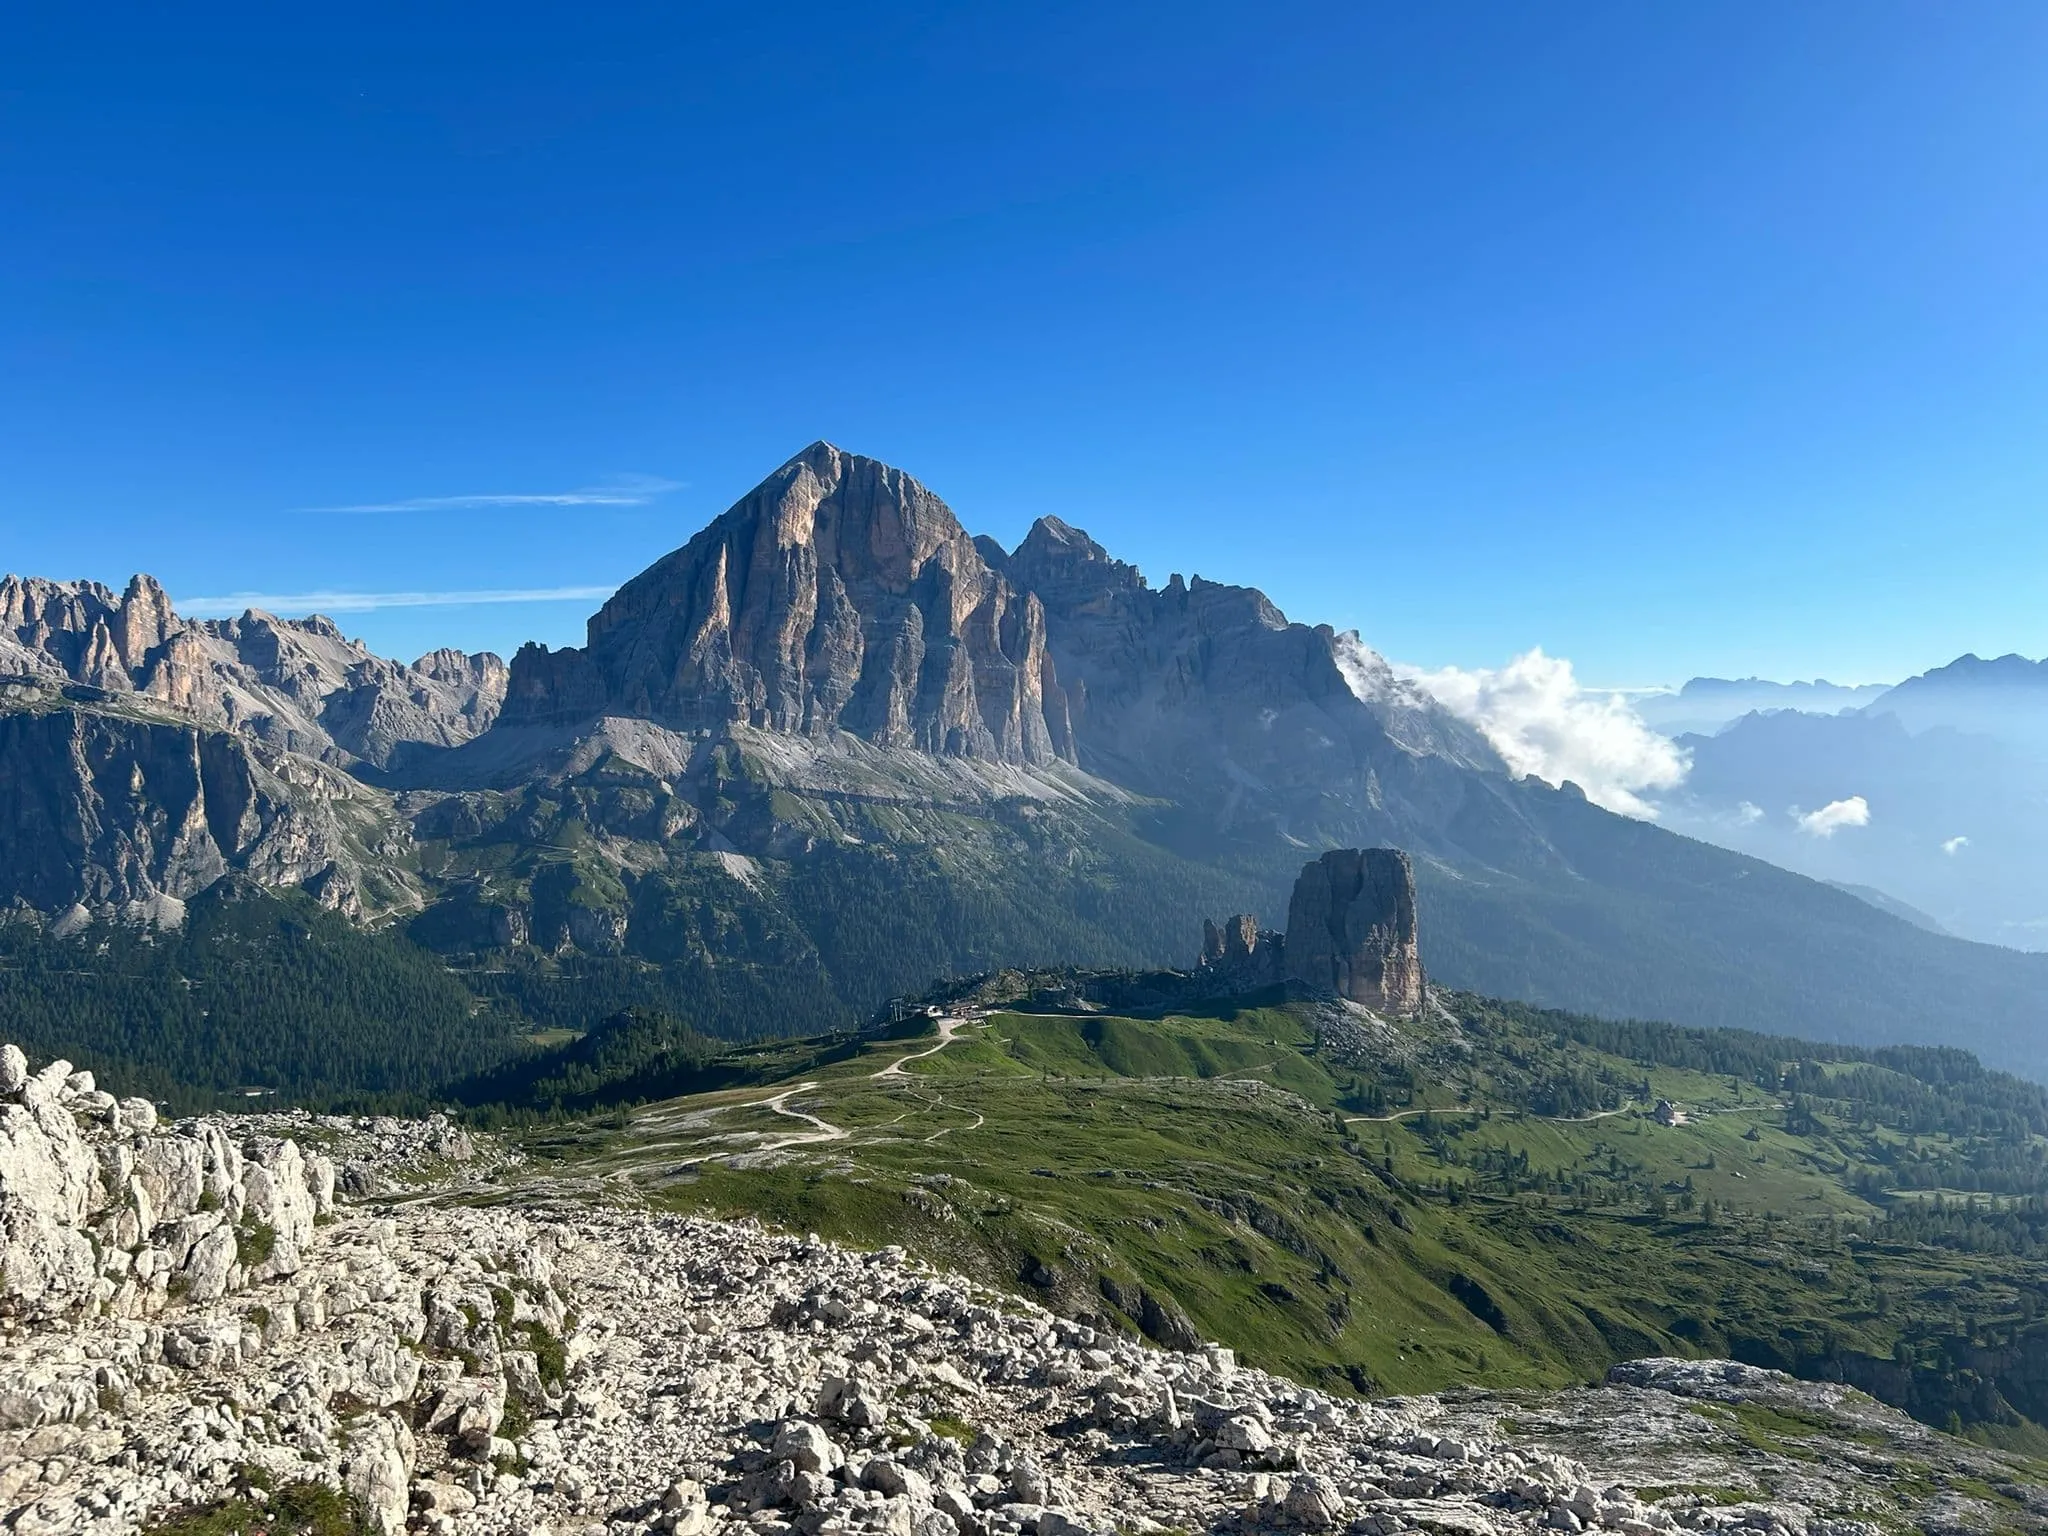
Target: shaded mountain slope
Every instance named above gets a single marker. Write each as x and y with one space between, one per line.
110 809
1647 917
2005 698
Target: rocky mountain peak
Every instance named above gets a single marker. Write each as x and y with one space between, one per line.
1068 569
838 595
81 629
842 597
1055 539
483 671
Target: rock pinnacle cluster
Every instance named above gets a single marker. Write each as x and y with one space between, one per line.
1351 931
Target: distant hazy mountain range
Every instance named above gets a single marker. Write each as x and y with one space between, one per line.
834 746
1940 785
1705 704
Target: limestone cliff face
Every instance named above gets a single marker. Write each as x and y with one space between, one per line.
113 814
296 684
839 595
1351 929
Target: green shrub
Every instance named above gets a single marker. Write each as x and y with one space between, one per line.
255 1243
549 1352
303 1508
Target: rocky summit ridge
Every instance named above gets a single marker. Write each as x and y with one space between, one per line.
839 595
298 685
451 1347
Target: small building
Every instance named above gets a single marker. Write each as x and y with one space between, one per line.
1668 1113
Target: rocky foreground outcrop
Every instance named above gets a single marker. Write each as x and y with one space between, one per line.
456 1364
103 1215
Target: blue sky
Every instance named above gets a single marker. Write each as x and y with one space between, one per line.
1671 339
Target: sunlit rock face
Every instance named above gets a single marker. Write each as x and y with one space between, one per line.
838 595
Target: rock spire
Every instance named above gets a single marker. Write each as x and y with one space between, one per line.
1351 929
1241 955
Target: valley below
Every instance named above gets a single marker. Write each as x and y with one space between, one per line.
1491 1194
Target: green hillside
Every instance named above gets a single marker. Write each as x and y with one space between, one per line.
1487 1198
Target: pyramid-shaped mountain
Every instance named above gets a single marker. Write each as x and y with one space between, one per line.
839 595
841 598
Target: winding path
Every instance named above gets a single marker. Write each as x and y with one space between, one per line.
1405 1114
979 1121
949 1027
821 1130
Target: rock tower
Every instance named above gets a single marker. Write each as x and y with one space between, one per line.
1240 954
1351 929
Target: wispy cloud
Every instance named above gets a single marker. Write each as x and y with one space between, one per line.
620 491
295 603
1835 815
1954 845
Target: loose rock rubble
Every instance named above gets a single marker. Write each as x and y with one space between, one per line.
384 1154
456 1367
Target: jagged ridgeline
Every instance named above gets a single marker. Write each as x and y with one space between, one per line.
833 747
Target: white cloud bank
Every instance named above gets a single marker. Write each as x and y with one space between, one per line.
1544 724
294 604
1835 815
